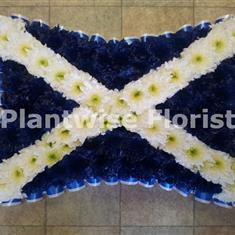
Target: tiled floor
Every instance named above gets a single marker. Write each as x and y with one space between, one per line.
125 210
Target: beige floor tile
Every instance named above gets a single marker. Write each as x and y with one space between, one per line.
24 214
72 2
213 215
103 20
82 231
140 20
24 3
29 12
213 3
22 230
156 231
108 2
91 206
158 3
214 230
203 13
153 207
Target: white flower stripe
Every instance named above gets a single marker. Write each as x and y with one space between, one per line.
134 95
213 165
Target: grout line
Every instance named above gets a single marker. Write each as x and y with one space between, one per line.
92 6
121 20
45 221
50 13
120 210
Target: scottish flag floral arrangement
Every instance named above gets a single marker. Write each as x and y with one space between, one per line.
109 100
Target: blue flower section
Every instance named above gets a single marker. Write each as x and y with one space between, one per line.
117 155
22 91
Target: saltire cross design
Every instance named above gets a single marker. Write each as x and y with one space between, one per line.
213 166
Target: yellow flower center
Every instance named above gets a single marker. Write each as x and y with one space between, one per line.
32 161
24 49
77 87
153 89
59 76
175 76
18 174
194 153
121 103
64 133
66 148
198 59
4 37
94 100
136 95
53 157
43 62
218 45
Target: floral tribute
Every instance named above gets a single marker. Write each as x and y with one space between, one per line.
111 88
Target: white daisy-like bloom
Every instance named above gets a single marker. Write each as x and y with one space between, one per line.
199 57
219 41
174 140
97 99
84 123
31 163
118 105
193 153
135 96
155 87
230 30
227 194
41 62
58 73
7 27
180 75
108 122
152 128
9 191
218 170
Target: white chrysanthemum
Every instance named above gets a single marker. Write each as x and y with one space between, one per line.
180 75
51 156
218 170
118 105
174 141
199 58
97 99
193 153
135 96
83 124
58 73
230 30
220 43
41 61
108 122
227 194
9 191
152 128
